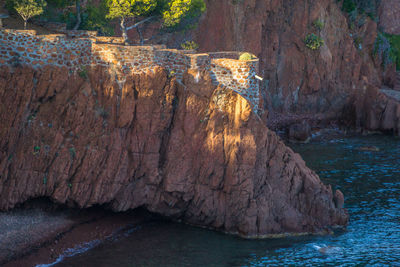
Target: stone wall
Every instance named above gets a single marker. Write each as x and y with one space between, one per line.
78 49
237 75
25 47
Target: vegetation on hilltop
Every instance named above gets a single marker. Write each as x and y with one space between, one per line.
171 12
98 15
29 8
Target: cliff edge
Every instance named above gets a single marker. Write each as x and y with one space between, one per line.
188 150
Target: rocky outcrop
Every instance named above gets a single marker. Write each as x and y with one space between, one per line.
379 110
299 83
296 79
186 150
300 132
397 81
389 14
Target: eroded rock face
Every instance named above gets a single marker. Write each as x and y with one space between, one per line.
299 83
300 132
297 80
190 151
389 14
379 110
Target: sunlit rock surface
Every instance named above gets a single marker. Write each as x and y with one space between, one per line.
189 151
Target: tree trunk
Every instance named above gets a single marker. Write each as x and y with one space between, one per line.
140 35
24 24
137 24
78 14
124 31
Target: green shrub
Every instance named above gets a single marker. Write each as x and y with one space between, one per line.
313 41
319 24
9 5
358 42
371 16
348 6
82 72
180 21
58 11
72 152
394 53
32 116
36 150
59 3
190 45
94 19
387 46
171 74
247 56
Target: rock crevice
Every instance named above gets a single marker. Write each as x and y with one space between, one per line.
191 151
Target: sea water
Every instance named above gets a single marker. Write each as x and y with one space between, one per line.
370 181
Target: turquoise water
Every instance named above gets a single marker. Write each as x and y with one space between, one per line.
370 182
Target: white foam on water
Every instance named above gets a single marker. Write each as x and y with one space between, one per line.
81 248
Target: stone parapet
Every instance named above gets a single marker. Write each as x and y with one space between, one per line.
78 49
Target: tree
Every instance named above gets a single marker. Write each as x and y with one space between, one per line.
78 14
124 9
94 18
171 11
179 9
29 8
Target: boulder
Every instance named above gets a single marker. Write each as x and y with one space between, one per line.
300 132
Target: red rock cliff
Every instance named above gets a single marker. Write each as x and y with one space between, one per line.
297 80
189 151
389 14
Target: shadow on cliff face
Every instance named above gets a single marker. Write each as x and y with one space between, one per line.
299 83
297 80
188 151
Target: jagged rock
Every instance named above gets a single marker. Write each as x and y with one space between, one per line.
339 199
186 150
297 80
389 13
300 132
378 110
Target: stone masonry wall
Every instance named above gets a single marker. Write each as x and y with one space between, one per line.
78 49
236 75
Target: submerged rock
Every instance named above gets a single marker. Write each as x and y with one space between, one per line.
300 132
190 151
369 148
328 249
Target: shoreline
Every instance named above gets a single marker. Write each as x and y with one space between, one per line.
68 228
48 239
